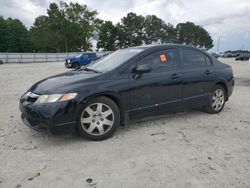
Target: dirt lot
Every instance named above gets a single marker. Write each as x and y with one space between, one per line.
192 149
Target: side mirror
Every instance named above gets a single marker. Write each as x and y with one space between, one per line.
140 69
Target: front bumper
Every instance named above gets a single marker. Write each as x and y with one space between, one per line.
230 88
58 117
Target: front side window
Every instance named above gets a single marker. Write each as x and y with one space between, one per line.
161 59
193 58
78 56
85 56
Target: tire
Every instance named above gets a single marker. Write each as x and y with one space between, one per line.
76 65
98 119
216 101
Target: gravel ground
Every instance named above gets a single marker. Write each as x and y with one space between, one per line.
191 149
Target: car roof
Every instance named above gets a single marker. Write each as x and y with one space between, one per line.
151 46
86 53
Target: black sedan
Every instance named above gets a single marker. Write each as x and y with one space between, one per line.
243 57
127 84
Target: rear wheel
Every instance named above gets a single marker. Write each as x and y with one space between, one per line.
216 100
98 119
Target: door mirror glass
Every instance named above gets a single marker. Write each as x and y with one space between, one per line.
144 68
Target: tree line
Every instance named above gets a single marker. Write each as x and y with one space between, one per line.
74 27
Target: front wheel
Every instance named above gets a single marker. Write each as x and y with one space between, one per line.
98 119
76 65
217 100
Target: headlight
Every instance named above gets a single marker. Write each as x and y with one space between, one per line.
68 61
55 98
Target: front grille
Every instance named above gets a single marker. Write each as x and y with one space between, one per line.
31 100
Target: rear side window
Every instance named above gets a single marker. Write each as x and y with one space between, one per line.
160 59
193 58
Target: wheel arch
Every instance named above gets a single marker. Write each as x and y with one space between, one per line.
224 85
75 62
112 96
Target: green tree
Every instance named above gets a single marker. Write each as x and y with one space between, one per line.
155 30
131 30
69 27
17 37
13 36
170 36
108 35
74 27
3 35
191 34
84 21
41 36
59 25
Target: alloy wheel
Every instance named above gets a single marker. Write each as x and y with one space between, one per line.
218 99
97 119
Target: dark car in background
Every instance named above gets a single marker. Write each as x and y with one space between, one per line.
215 55
80 59
243 57
228 55
127 84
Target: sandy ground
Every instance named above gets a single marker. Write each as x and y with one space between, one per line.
191 149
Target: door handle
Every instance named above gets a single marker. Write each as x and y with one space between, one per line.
175 76
207 72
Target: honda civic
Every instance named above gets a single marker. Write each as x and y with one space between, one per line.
128 84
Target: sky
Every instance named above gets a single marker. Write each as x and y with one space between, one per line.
228 20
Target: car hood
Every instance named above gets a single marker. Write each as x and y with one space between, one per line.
62 83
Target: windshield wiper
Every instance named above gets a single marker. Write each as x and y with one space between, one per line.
88 69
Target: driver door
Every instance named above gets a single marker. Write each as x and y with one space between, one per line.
84 59
159 89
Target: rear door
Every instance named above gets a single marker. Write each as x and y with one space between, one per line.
198 76
160 89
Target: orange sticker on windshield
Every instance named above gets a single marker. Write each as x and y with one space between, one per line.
163 58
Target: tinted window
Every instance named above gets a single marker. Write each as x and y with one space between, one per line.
114 59
208 60
161 59
193 57
85 56
78 56
92 56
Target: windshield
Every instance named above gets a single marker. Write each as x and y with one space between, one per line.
113 60
78 56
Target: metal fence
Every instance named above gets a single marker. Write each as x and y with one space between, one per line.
38 57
